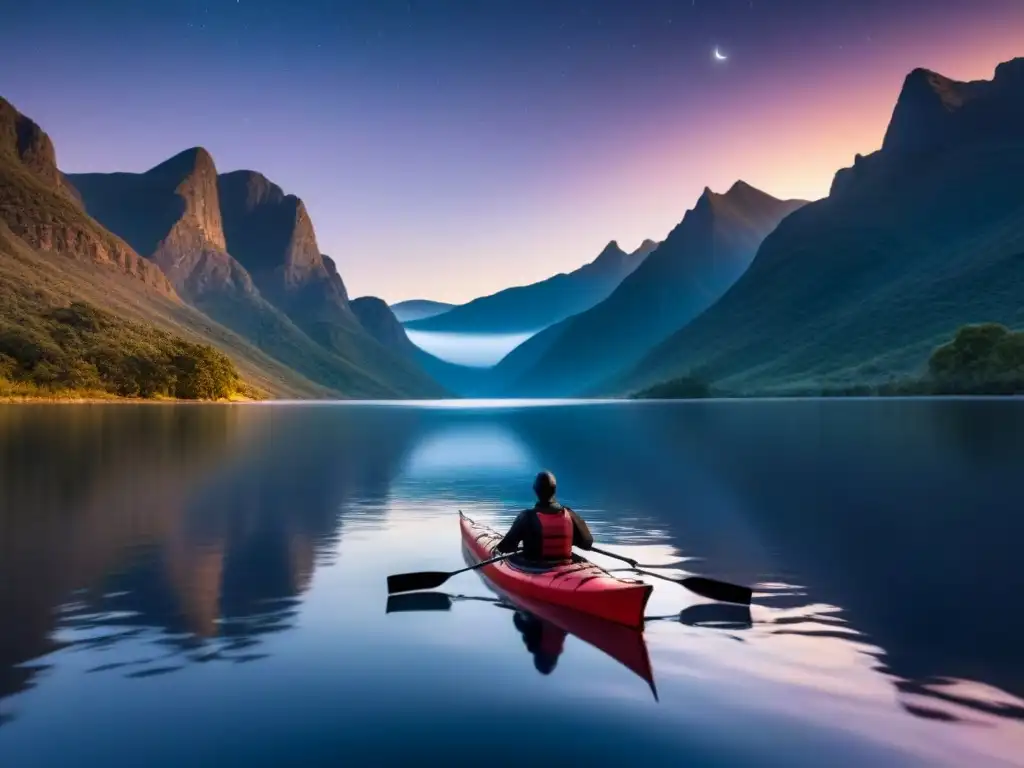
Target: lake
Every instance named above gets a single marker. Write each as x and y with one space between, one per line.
203 584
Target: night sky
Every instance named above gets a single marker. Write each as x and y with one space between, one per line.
450 148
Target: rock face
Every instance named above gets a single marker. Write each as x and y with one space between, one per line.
699 260
37 207
174 215
934 113
171 214
915 240
272 235
529 308
28 144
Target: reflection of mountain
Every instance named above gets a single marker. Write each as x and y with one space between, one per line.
83 489
167 531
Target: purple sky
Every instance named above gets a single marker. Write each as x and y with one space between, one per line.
447 149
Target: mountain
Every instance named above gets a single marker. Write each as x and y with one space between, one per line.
272 236
699 260
172 215
52 253
39 209
913 241
418 309
529 308
381 322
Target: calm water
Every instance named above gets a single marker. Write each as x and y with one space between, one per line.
204 585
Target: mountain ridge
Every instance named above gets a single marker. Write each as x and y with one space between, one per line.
700 258
172 214
912 242
532 307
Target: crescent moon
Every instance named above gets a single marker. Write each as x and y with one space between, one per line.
719 56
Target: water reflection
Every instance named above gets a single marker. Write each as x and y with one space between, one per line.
884 540
196 529
544 629
542 639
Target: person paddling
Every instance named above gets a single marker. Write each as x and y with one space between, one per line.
548 531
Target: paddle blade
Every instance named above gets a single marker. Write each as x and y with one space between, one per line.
717 616
419 601
717 590
410 582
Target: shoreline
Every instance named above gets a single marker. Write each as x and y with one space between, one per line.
469 402
94 400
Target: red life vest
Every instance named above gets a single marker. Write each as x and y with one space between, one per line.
555 535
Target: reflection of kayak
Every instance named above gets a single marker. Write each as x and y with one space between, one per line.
624 643
580 585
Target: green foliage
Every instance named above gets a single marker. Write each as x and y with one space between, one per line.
981 359
985 359
82 348
690 387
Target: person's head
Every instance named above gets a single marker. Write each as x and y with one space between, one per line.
544 486
544 663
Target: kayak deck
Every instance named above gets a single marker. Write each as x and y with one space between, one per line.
580 585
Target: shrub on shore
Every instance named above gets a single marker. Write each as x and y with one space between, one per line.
82 349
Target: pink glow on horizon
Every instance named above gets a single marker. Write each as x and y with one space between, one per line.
643 190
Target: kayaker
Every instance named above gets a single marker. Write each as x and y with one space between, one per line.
548 531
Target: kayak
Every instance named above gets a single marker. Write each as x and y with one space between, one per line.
580 585
623 643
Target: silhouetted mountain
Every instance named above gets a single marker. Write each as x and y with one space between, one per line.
418 309
923 236
172 215
698 261
531 307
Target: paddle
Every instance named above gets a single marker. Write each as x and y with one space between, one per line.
433 601
410 582
705 587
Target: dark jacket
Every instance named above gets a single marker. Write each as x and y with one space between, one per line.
526 530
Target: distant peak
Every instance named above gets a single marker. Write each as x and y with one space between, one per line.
646 247
612 254
194 160
740 186
1010 71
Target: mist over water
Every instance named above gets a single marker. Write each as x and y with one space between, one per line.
180 584
476 350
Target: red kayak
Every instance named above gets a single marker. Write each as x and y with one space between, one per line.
580 585
624 643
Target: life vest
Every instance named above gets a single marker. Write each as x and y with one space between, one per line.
555 535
